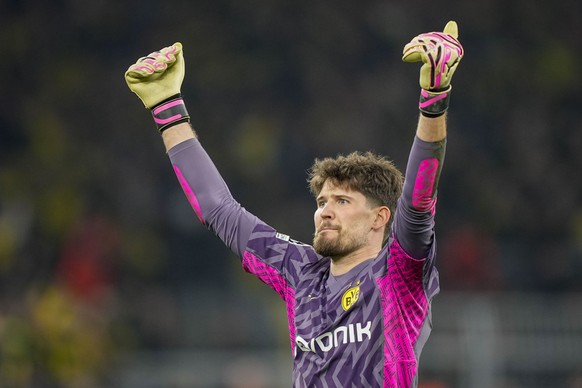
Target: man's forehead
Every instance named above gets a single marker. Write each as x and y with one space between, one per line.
335 187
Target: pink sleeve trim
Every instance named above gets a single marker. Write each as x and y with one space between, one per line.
422 194
277 282
189 193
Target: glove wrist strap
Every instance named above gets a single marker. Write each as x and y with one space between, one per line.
170 112
434 103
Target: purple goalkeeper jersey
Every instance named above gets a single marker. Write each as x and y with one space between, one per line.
365 328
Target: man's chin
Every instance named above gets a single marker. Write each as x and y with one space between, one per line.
325 247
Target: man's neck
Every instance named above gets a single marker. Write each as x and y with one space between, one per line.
343 264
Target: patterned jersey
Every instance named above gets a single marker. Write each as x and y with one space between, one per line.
365 328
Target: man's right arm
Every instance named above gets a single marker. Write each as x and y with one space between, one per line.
157 79
178 134
205 189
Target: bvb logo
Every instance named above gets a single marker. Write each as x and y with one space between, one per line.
350 297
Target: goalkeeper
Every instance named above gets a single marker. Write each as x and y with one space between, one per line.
359 298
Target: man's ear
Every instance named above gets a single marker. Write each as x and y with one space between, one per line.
383 215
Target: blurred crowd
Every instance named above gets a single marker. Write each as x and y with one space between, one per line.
100 254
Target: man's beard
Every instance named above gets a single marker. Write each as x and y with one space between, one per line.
339 246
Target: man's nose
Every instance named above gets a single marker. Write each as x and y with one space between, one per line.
327 211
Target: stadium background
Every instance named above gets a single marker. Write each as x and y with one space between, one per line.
108 280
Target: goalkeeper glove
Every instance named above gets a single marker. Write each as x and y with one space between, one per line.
440 53
157 79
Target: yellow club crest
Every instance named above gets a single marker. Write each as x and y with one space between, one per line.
350 296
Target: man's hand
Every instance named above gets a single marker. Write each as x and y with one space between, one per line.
440 53
158 76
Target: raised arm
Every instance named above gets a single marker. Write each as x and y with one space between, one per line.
157 79
440 53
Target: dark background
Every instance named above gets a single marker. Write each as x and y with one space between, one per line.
100 254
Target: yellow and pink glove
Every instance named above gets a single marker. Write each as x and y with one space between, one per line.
157 81
440 53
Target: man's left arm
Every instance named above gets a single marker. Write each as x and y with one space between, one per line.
414 223
440 53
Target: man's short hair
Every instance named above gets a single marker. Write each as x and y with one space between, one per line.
376 177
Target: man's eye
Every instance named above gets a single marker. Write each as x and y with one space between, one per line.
342 201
